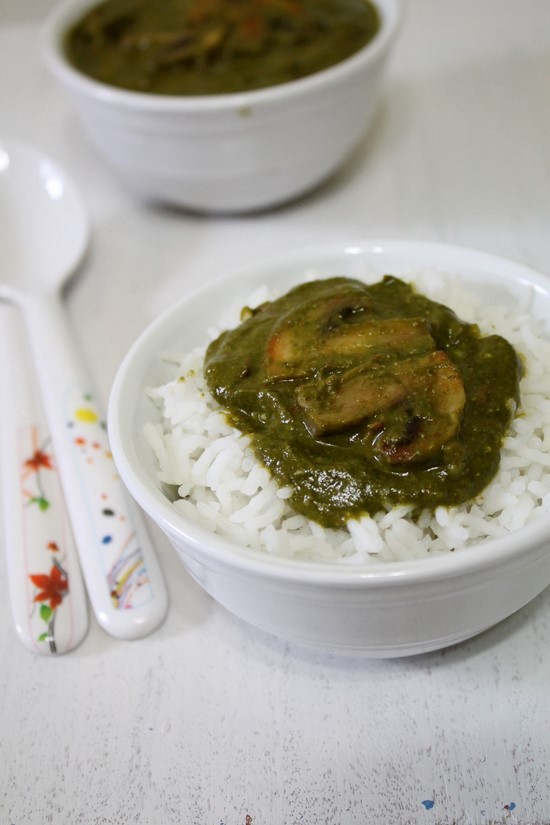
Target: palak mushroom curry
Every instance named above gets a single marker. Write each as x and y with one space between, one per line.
203 47
361 397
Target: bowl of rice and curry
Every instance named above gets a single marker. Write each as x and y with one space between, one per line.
348 446
223 107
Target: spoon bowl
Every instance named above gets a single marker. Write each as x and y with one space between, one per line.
36 188
44 233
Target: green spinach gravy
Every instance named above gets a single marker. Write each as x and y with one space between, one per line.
203 47
362 397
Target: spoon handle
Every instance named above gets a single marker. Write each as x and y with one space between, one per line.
122 574
47 594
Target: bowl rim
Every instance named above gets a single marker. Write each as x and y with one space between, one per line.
534 535
68 11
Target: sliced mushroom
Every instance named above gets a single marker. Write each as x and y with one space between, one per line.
296 350
339 402
295 338
430 416
413 406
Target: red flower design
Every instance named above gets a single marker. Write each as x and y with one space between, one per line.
52 588
38 460
53 546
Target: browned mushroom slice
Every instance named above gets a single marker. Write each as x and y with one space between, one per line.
294 343
294 352
415 405
405 335
431 415
339 402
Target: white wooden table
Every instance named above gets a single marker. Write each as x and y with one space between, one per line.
207 721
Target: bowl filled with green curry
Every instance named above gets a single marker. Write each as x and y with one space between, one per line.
348 447
218 106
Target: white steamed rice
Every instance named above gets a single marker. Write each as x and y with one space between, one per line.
222 486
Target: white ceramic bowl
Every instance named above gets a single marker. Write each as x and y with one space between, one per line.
379 610
234 152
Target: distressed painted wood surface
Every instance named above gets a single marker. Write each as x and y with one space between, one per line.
209 722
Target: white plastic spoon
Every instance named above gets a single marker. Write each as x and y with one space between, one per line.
44 233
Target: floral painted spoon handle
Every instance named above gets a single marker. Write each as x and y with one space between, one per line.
119 564
46 589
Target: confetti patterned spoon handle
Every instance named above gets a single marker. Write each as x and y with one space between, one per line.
47 594
121 571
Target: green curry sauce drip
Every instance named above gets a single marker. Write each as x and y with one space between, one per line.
202 47
361 397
